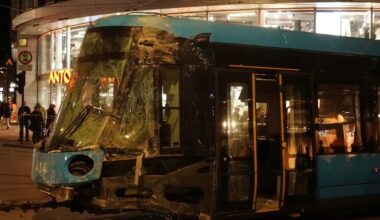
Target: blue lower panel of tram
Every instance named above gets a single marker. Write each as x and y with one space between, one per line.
53 168
348 175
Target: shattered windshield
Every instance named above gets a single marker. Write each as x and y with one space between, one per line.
109 100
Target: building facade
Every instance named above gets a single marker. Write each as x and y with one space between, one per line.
51 31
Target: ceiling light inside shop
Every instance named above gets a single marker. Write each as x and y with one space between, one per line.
236 15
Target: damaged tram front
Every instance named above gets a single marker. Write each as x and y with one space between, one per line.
118 141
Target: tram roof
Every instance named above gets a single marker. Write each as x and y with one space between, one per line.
224 32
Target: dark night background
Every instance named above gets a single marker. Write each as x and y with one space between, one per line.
5 24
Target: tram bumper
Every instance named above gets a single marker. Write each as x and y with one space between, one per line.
58 171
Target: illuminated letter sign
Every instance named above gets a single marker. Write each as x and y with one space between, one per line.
59 76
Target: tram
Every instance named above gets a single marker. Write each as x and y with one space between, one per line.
215 120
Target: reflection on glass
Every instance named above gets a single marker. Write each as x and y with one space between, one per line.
170 104
338 119
76 37
238 186
298 117
104 93
298 135
261 119
236 123
372 122
289 20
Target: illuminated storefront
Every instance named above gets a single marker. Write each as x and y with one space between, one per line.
56 62
59 41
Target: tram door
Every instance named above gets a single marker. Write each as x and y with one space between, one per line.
268 166
249 153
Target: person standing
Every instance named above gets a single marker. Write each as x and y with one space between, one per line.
8 112
36 124
50 118
23 120
43 112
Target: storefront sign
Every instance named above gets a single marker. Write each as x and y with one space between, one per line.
25 57
59 76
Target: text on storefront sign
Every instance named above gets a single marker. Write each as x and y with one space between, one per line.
59 76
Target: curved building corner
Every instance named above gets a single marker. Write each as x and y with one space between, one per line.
51 31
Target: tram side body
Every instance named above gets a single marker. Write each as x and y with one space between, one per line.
188 185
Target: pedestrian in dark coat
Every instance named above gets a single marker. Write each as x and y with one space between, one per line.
36 124
50 118
23 120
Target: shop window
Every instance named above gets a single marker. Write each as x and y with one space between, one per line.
350 24
338 121
170 120
76 38
376 25
194 16
44 90
59 58
44 54
289 20
240 17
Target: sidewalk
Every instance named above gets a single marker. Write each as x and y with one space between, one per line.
9 136
16 184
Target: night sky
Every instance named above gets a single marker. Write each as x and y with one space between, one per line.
5 23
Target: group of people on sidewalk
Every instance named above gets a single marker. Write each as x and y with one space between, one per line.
37 121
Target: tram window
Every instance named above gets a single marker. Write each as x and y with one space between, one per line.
298 134
103 93
298 124
170 107
372 122
338 121
236 123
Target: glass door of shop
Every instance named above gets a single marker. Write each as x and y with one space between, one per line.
249 142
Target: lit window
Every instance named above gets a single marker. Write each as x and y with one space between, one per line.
338 121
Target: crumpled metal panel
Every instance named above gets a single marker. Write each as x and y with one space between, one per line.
52 168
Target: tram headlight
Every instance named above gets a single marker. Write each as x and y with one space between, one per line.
80 165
